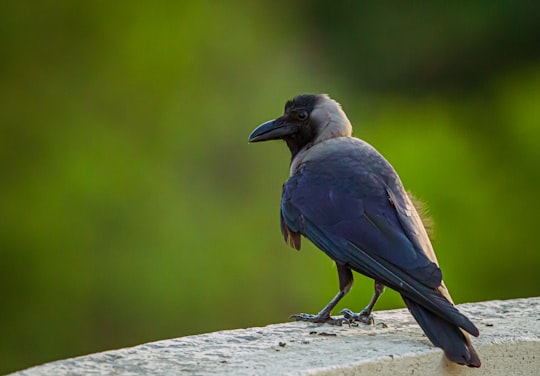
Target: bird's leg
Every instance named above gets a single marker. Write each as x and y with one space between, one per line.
365 316
345 282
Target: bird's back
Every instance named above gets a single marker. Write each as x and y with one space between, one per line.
358 171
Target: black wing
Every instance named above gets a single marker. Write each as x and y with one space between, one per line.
351 215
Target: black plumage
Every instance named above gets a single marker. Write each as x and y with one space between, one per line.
348 200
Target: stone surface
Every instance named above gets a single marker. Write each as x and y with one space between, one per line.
509 344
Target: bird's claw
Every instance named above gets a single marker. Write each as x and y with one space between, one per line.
339 321
363 317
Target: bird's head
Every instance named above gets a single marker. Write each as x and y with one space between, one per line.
308 119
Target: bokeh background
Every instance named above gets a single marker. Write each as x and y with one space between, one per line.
133 209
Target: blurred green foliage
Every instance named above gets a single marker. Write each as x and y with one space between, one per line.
133 209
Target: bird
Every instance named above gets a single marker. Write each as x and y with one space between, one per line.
349 201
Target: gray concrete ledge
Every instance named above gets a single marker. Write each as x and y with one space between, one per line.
509 344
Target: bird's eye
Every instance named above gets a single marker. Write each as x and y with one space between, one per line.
302 115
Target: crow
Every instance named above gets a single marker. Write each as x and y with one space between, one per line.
347 199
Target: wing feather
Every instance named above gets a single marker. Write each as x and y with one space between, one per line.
361 226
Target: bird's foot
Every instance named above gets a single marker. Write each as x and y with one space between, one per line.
322 319
364 317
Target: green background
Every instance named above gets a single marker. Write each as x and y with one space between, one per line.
133 209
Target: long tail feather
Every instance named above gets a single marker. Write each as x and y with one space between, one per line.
455 343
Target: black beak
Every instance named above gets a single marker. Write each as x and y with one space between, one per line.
272 130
